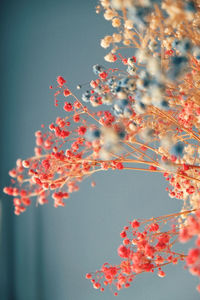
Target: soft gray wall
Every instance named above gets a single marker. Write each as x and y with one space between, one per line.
46 252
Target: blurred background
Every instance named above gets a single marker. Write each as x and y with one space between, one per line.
45 252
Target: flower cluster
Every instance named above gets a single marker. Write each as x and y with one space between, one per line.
146 117
147 247
190 230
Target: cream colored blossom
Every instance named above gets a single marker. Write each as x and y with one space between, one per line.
109 14
116 22
128 24
117 37
109 57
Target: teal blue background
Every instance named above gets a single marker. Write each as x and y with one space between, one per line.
45 253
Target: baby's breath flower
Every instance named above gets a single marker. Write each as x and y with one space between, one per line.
128 24
109 14
117 37
109 57
116 22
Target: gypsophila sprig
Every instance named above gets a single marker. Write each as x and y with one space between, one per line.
147 118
